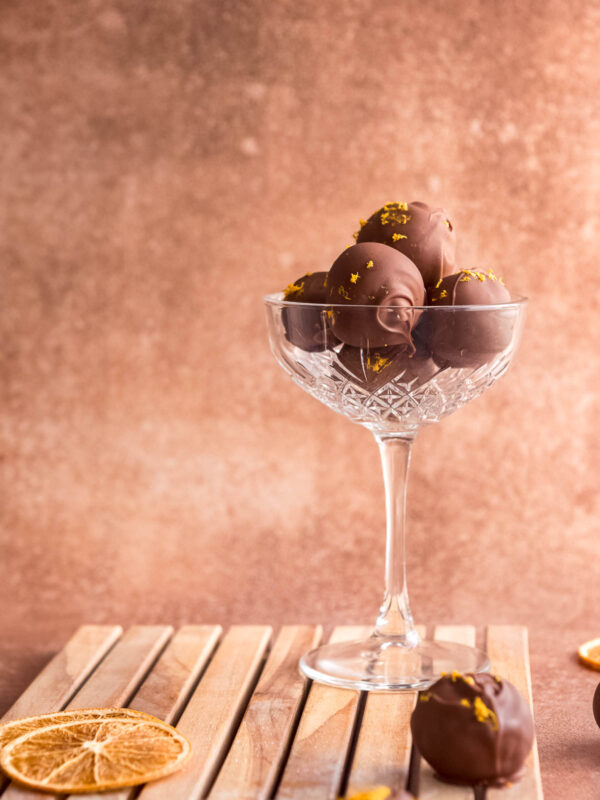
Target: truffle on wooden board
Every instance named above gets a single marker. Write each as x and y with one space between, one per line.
473 729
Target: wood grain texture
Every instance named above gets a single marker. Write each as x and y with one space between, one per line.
64 674
212 713
262 741
383 746
114 681
121 672
316 762
507 647
62 677
167 688
253 754
431 788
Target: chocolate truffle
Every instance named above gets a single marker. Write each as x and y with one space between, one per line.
308 328
463 338
473 729
422 233
374 368
379 286
596 705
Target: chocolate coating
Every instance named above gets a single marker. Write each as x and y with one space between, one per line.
422 233
308 328
596 705
473 729
375 275
464 338
374 368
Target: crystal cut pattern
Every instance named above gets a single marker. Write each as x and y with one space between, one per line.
401 404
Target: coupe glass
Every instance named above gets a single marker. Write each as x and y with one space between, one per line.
394 393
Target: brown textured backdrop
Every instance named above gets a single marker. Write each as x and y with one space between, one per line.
165 164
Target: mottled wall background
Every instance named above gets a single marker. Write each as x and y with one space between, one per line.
165 164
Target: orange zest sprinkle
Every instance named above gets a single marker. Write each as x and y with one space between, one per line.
293 289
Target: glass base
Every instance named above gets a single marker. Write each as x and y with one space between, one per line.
392 664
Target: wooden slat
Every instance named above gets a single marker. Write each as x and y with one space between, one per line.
121 672
262 741
431 788
61 677
383 746
316 762
508 651
114 681
166 690
461 634
212 713
64 674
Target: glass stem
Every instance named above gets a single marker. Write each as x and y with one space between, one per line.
395 619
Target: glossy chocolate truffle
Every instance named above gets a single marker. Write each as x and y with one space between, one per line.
375 367
473 729
308 328
379 286
422 233
463 338
596 705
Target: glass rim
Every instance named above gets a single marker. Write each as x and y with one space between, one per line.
276 299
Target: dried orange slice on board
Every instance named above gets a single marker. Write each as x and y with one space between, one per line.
16 728
378 793
589 653
94 755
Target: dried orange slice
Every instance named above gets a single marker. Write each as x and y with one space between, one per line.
11 730
94 755
378 793
589 653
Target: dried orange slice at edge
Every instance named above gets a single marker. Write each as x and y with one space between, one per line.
95 755
589 653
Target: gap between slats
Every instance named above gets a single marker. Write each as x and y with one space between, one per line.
261 745
62 677
508 650
382 750
169 685
56 684
213 712
320 750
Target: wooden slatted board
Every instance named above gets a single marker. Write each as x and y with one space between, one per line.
258 729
